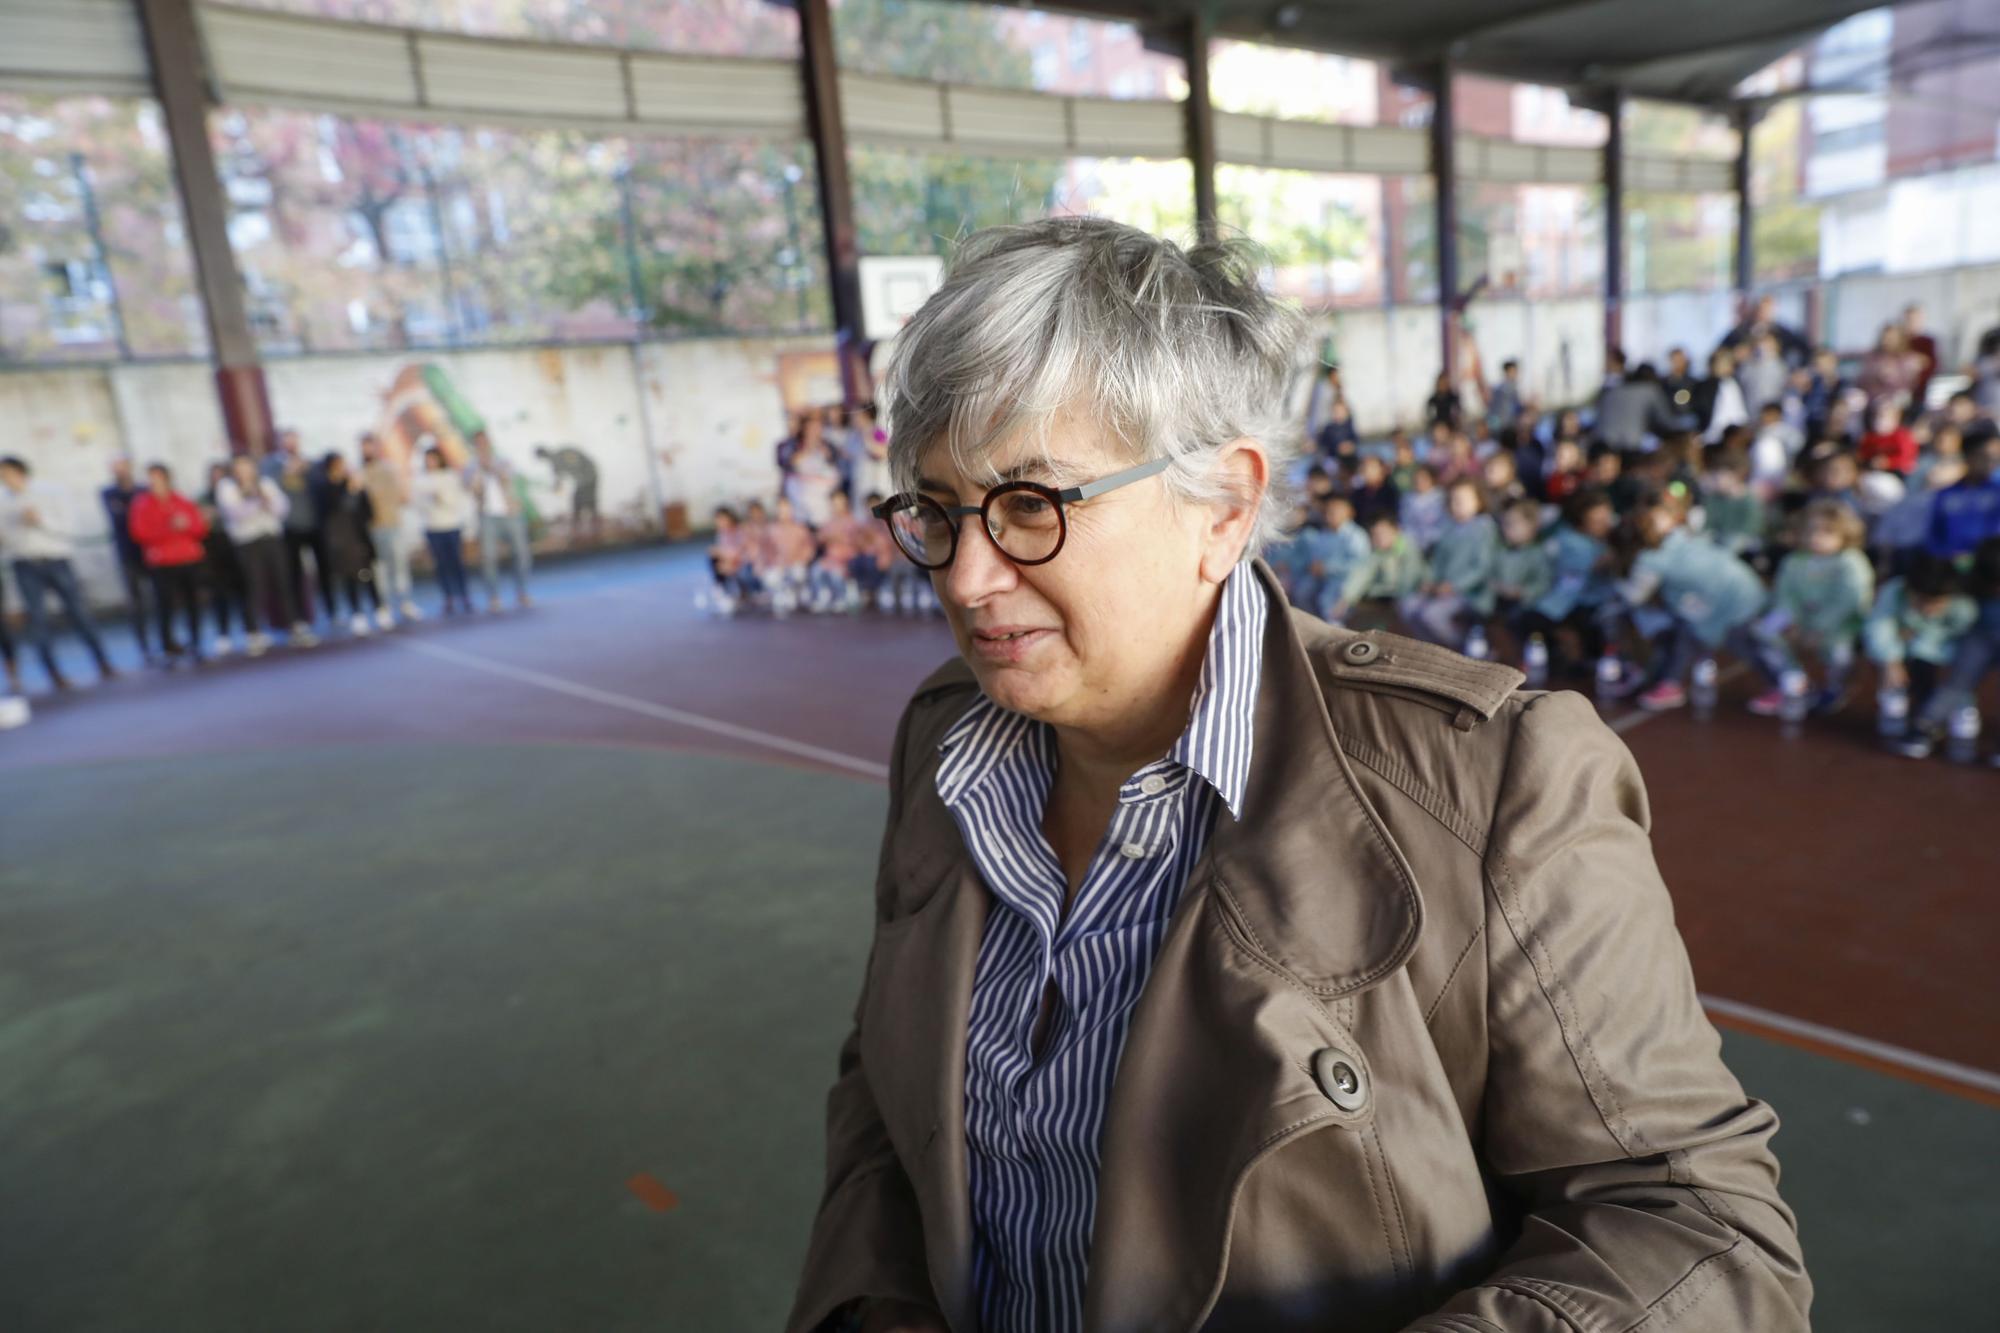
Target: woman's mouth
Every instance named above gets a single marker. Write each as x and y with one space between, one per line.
1007 645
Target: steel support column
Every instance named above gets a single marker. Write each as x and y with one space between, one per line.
1614 220
836 196
1746 249
1444 188
173 49
1200 126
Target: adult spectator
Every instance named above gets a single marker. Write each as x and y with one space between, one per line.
169 528
38 535
227 591
1762 319
1762 374
1923 346
1967 512
490 479
1679 382
1443 407
1326 391
388 495
303 530
350 554
117 499
1505 404
1632 411
253 511
1891 370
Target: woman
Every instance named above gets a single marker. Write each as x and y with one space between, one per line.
350 555
1232 970
227 591
444 505
253 510
169 528
388 492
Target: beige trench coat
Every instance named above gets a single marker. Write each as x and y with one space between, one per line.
1421 1049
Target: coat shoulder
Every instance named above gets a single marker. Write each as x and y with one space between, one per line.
1379 663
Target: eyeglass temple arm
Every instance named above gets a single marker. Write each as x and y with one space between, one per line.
1096 488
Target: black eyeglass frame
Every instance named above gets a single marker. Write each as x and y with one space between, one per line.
954 515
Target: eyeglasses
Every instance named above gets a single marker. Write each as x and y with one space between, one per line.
1024 518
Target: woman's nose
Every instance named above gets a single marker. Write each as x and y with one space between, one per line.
977 569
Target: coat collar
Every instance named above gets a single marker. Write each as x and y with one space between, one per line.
1302 901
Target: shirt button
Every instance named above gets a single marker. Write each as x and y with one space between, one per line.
1132 851
1153 785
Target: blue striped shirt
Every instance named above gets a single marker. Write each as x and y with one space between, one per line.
1032 1124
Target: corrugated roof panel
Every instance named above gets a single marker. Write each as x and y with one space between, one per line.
1572 166
471 75
283 58
62 46
1106 128
1029 121
1239 138
1500 160
697 92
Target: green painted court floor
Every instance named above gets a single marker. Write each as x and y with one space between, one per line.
378 1037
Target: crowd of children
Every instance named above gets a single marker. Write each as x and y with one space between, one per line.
818 549
1798 545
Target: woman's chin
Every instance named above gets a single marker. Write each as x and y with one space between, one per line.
1018 689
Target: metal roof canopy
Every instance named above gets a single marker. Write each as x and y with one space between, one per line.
1693 51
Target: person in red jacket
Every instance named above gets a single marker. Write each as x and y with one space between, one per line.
169 529
1890 443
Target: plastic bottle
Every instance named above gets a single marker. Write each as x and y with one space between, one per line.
1704 687
1892 712
1476 646
1792 711
1610 671
1962 742
1535 662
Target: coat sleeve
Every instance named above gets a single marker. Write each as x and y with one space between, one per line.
868 1237
1648 1190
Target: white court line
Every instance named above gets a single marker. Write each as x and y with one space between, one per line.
1846 1041
646 708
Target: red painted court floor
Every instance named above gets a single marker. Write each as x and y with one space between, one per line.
1817 880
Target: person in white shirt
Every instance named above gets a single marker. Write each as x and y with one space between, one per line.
37 535
444 506
491 478
253 509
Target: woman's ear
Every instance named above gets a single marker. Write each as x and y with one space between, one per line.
1245 474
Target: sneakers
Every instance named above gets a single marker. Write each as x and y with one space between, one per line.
1667 694
257 644
358 626
410 610
223 648
383 620
303 637
1917 745
1768 704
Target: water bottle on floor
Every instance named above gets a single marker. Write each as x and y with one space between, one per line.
1792 712
1610 672
1962 742
1535 663
1705 686
1892 712
1476 646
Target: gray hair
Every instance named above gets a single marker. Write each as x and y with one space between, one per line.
1175 352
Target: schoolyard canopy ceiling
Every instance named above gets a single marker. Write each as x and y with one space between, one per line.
1675 50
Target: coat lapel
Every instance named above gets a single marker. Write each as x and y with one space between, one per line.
1304 902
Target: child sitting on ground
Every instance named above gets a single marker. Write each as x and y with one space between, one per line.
1421 514
789 548
1733 511
1393 571
1916 625
1976 656
1566 472
1824 590
1522 567
730 560
1710 600
1335 552
833 582
1460 586
1374 493
1580 584
1290 558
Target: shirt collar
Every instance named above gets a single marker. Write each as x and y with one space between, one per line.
1216 744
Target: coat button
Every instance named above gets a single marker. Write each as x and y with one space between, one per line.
1341 1079
1153 784
1361 652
